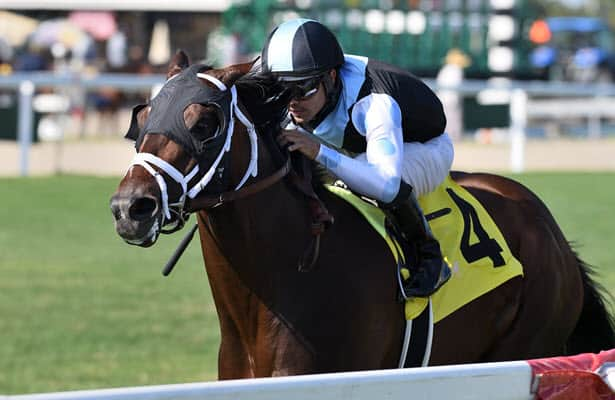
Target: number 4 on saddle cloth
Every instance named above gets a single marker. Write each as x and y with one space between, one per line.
471 243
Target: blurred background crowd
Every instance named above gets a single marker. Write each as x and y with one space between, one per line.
447 40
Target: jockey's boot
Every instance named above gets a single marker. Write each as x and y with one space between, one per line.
430 271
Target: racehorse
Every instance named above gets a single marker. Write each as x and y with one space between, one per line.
206 144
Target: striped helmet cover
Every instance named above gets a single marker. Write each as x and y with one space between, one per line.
301 48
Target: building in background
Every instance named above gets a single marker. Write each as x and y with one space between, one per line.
412 34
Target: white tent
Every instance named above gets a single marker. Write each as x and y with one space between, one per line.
15 28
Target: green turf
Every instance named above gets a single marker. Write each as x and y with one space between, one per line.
584 206
80 309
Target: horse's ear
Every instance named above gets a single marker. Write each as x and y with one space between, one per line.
179 62
245 67
236 71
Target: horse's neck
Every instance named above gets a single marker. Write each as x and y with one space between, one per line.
247 245
260 223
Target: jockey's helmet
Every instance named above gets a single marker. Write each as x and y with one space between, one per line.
299 49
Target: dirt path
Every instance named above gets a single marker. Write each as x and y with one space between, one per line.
111 157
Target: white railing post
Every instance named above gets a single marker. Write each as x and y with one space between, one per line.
518 120
25 124
594 128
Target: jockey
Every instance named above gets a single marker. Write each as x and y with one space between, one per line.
344 104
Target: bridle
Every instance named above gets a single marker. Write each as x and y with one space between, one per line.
189 200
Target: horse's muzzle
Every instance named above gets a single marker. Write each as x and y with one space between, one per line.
137 218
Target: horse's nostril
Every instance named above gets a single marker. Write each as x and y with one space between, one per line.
142 209
117 213
117 204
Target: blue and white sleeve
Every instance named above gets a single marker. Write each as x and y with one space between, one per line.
377 173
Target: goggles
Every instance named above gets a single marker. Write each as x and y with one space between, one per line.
303 89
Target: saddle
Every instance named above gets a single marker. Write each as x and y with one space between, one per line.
471 243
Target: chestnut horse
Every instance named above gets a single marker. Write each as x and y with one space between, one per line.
206 144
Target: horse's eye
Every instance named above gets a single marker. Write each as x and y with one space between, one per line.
206 128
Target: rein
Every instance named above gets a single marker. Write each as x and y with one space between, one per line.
203 203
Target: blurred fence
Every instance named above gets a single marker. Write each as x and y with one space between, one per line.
515 103
27 85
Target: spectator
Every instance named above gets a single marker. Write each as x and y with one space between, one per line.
449 77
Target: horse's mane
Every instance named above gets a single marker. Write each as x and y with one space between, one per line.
265 100
267 105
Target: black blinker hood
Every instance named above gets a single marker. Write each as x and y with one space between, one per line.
167 114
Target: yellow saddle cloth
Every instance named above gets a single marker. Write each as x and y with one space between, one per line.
471 243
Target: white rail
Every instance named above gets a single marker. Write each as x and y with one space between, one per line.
494 381
598 101
26 83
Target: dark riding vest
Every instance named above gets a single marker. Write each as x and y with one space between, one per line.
422 113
